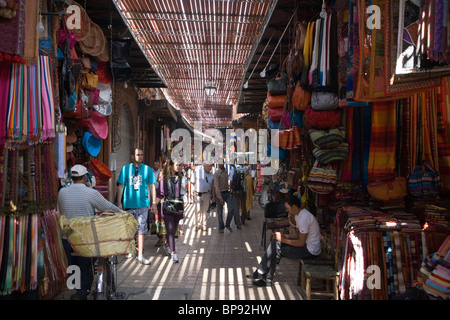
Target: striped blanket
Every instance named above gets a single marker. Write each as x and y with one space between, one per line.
381 164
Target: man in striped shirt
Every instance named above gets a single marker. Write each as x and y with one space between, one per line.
77 200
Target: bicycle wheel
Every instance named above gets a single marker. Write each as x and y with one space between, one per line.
102 278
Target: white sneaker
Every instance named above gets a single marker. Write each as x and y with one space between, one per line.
129 256
175 257
142 260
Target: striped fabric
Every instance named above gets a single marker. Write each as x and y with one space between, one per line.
29 99
77 200
381 164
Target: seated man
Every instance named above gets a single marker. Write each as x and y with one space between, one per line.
305 245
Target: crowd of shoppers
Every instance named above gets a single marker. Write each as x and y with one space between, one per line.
165 190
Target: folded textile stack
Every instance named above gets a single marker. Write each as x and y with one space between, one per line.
385 221
434 218
408 222
353 218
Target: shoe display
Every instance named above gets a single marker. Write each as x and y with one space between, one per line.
142 260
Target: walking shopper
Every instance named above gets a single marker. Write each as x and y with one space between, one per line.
202 184
306 243
77 200
249 195
159 225
223 196
171 198
135 193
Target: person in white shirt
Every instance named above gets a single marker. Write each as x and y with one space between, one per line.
304 242
202 184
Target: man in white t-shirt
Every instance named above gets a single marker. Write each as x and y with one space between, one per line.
303 243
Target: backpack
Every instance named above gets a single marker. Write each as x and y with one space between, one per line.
236 182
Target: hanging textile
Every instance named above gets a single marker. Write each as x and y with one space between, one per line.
31 46
29 181
381 164
30 105
26 243
443 104
12 40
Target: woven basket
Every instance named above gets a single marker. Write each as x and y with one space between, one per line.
101 236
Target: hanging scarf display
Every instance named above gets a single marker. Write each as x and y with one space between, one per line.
26 242
29 181
30 105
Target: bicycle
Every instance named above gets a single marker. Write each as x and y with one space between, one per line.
105 279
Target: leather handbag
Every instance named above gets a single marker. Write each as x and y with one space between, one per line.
278 84
301 97
275 114
322 179
324 100
424 181
89 81
277 101
323 119
173 207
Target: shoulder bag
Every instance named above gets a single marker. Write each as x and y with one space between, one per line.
174 207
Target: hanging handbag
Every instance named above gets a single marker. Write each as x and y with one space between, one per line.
424 181
274 102
327 139
324 100
278 84
89 81
323 119
322 179
327 156
301 97
275 114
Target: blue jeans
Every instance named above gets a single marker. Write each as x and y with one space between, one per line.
85 265
228 199
273 255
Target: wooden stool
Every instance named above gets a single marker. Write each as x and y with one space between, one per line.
321 272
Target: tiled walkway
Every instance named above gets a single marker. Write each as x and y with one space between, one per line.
212 266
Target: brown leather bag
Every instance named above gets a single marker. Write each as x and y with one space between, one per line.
301 97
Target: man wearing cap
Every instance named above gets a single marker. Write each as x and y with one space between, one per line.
202 183
77 200
135 193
